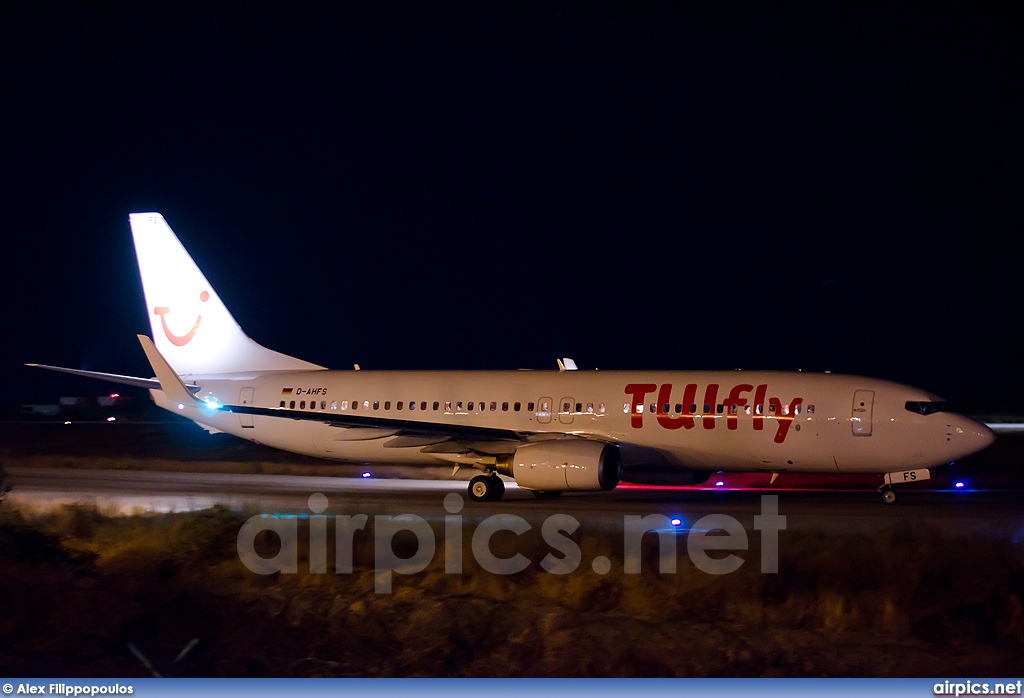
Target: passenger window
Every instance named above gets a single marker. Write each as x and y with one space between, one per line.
654 408
504 407
733 409
376 405
590 408
529 407
639 409
398 405
469 407
625 408
458 406
771 409
291 405
334 404
707 408
387 404
494 406
355 404
423 405
302 405
759 409
436 405
719 409
796 410
412 404
312 404
323 404
516 406
366 404
448 406
282 403
600 408
344 405
810 409
785 409
666 408
747 409
565 407
679 408
693 408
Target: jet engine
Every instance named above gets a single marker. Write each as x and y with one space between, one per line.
556 466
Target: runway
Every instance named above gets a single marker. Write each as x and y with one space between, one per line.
970 514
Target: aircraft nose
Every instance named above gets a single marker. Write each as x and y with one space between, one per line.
974 435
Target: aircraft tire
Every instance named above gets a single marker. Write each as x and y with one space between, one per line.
888 495
481 488
498 488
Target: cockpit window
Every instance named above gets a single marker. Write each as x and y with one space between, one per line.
927 407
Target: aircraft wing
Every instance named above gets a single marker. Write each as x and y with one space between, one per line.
402 433
387 427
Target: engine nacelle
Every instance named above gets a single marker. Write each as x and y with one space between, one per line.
556 466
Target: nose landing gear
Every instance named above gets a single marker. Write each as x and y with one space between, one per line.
888 494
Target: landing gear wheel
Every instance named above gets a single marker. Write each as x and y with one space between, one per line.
486 488
498 488
547 494
888 495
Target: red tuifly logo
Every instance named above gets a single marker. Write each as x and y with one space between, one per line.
176 340
688 412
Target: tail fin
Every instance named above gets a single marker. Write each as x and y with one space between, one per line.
192 328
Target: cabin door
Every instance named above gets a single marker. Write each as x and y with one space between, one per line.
860 419
245 399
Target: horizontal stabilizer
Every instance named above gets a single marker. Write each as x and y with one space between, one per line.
151 383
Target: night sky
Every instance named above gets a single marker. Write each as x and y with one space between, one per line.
823 186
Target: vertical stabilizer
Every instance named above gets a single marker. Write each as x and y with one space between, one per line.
192 328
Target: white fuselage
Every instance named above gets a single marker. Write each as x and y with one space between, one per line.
714 420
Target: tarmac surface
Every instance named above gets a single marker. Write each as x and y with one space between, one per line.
970 513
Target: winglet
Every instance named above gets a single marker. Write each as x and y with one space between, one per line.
172 385
566 364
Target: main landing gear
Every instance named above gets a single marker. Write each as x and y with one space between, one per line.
888 494
486 488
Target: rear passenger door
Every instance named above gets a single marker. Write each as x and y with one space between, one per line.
245 399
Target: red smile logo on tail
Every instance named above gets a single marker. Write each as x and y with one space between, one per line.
184 339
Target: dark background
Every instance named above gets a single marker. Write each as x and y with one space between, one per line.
824 186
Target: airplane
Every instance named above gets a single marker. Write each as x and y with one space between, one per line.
551 432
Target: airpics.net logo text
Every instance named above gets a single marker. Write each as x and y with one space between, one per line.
978 688
715 533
